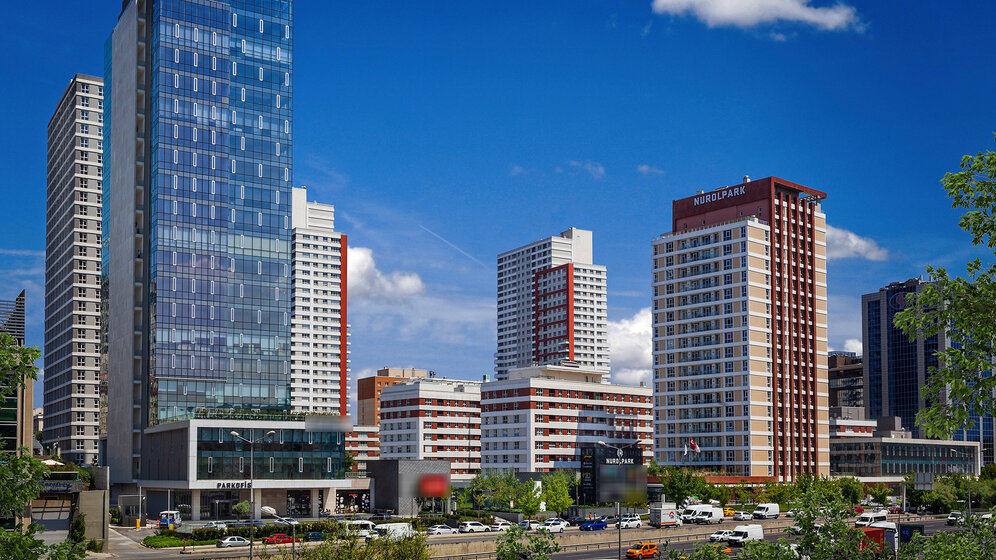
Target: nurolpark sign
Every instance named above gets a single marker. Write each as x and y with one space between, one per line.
719 195
612 475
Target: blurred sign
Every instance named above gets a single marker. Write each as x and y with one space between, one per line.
907 530
923 481
433 485
610 475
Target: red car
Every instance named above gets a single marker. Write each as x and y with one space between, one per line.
895 509
859 509
279 538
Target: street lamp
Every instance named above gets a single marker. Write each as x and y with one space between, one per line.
970 473
252 490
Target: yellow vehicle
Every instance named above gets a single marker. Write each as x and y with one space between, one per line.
723 548
642 550
729 512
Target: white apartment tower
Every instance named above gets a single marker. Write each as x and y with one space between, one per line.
552 305
72 271
740 332
319 331
433 419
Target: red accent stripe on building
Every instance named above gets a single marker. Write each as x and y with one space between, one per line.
343 331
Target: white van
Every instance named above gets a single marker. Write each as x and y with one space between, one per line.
867 518
689 513
170 517
766 511
743 533
709 515
361 528
394 531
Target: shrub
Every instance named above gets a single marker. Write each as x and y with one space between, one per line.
95 546
77 528
115 515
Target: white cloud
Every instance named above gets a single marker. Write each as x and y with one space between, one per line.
750 13
448 319
843 244
593 168
630 346
22 252
646 29
852 345
367 282
516 170
645 169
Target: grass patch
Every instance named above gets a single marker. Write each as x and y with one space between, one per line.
169 541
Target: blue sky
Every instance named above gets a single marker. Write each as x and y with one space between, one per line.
445 133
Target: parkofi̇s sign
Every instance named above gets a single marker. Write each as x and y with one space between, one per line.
719 195
234 485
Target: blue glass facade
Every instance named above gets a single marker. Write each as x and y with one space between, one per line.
219 202
873 317
904 386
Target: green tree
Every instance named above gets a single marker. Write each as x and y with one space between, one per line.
241 509
557 490
77 528
781 493
678 484
976 542
348 461
527 498
880 493
851 490
723 494
21 475
988 472
960 308
514 542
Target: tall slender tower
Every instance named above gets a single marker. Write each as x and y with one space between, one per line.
552 305
740 332
15 409
72 270
197 259
320 333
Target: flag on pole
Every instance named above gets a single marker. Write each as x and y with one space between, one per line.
686 451
695 448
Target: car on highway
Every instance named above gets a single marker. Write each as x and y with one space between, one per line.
720 547
473 527
794 530
230 542
630 521
576 520
440 530
529 524
955 518
279 538
720 536
314 536
742 516
553 525
642 550
594 525
790 513
729 512
501 525
380 517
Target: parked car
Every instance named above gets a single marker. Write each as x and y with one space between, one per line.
729 512
720 536
858 509
473 527
440 530
314 536
219 525
742 516
642 550
895 508
501 525
324 513
576 520
380 517
286 521
594 525
229 542
529 524
279 538
630 521
553 525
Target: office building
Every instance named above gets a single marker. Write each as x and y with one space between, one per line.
895 368
197 254
552 305
888 453
72 271
433 419
539 418
740 332
368 391
319 331
363 442
15 409
847 388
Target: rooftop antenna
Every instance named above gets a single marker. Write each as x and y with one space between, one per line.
746 179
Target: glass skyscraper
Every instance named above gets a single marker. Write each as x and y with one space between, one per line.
197 260
896 369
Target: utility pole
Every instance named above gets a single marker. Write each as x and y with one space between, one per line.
252 490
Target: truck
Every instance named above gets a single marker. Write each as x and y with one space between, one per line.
743 533
665 516
874 539
766 511
689 513
709 515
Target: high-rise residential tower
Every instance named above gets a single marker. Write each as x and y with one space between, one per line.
552 303
740 332
15 409
197 261
319 332
72 271
895 368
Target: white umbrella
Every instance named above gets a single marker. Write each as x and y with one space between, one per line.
52 463
267 510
